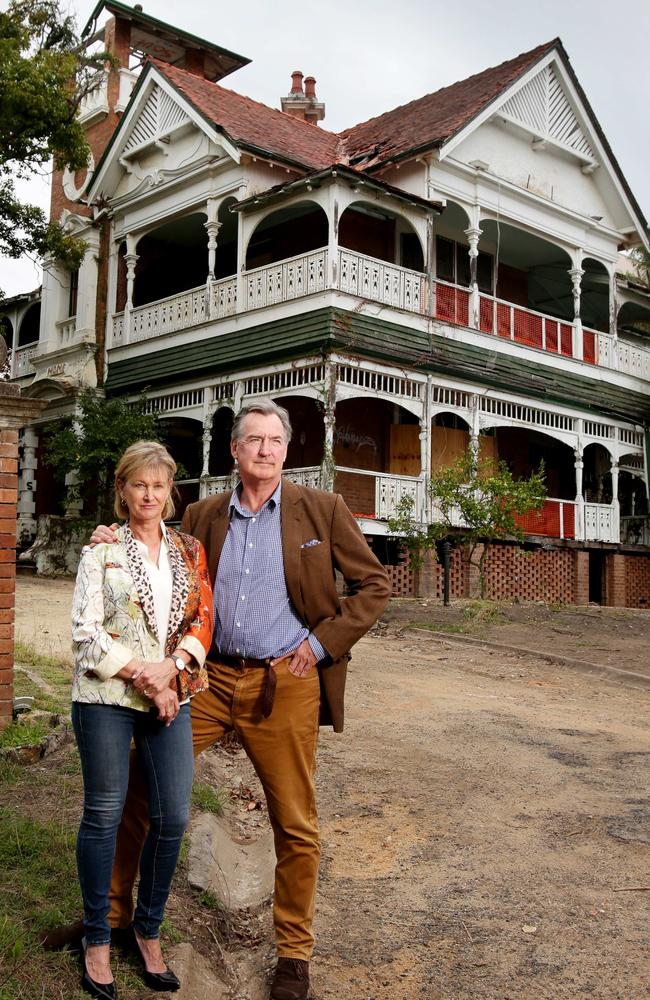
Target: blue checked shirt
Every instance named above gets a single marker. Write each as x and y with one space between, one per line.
253 613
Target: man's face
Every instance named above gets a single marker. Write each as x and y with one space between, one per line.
261 449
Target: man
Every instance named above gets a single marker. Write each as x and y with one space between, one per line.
278 660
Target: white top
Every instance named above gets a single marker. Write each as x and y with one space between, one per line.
161 580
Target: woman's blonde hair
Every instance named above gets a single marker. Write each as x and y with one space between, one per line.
143 455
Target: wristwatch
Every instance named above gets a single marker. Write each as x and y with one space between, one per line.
178 662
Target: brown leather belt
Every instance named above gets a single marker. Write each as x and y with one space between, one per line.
250 662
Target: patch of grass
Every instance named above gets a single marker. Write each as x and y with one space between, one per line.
24 732
170 931
210 900
185 850
43 700
483 613
208 799
58 672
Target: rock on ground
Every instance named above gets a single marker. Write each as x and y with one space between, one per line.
240 875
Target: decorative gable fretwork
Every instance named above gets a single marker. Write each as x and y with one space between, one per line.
543 108
158 118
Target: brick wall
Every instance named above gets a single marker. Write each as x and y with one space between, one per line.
554 575
8 498
534 575
580 577
637 581
615 567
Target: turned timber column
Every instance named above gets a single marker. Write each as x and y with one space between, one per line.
431 268
473 235
576 273
212 227
130 259
328 468
208 415
616 506
578 464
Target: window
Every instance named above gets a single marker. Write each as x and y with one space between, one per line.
452 264
74 291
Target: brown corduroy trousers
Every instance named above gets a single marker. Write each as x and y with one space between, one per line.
282 749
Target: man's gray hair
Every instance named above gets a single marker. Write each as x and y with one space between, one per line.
267 407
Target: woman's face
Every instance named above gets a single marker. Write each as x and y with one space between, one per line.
145 493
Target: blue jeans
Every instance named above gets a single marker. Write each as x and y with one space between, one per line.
104 734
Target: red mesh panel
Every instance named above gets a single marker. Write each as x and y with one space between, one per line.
566 340
589 346
551 336
452 305
503 320
445 303
546 520
462 307
528 328
486 312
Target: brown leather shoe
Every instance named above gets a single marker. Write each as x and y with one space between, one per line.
291 980
66 936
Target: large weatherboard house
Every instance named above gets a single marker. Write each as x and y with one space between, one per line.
448 273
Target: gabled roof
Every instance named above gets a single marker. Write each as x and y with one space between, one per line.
255 126
431 120
161 39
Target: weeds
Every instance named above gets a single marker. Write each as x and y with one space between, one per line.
24 732
208 799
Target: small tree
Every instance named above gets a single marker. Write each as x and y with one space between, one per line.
87 449
44 75
478 501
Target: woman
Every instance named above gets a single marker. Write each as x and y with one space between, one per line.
141 627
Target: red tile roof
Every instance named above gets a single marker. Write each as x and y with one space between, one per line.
254 125
425 122
429 121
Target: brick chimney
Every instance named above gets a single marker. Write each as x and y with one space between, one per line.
303 103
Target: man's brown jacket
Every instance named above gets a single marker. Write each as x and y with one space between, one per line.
319 536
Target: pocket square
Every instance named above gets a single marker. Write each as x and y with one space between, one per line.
310 544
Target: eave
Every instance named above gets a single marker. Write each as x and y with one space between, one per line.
320 178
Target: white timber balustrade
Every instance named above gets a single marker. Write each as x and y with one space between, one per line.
632 359
600 523
23 358
307 476
223 300
288 279
380 281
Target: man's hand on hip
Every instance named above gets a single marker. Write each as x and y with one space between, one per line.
303 659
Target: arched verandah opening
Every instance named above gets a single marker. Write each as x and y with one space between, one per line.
171 259
633 321
307 443
530 272
183 437
375 231
28 330
594 295
376 443
597 476
287 232
220 461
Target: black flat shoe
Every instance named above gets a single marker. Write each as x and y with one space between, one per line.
102 991
161 982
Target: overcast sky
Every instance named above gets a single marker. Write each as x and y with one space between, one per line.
371 55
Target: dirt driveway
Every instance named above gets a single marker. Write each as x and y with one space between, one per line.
485 818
